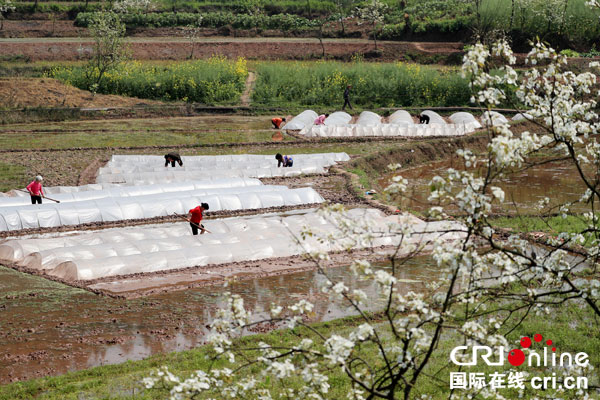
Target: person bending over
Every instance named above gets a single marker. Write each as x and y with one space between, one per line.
195 217
277 122
424 119
321 119
35 190
173 158
285 161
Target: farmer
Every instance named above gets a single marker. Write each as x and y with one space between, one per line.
286 161
424 119
173 158
195 217
347 98
321 119
35 190
277 122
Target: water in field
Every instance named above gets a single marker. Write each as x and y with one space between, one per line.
558 181
48 328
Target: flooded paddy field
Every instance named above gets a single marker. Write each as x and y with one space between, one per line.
49 328
558 181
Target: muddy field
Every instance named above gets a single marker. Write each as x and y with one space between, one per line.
169 48
49 328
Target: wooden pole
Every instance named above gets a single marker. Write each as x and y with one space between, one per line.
25 191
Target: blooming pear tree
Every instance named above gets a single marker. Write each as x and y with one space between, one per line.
134 6
6 6
488 282
108 32
373 14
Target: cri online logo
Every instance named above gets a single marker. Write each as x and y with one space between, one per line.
516 357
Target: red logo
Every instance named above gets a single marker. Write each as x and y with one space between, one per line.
516 356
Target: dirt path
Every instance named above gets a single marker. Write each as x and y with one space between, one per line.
245 99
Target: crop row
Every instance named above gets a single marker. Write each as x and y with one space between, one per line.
221 81
213 81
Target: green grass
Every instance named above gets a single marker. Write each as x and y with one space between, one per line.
572 329
553 225
11 176
373 84
216 80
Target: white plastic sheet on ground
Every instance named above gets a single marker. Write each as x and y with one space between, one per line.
493 118
149 248
367 118
212 166
383 130
434 118
400 123
338 118
151 170
401 117
154 205
66 194
522 116
300 121
465 118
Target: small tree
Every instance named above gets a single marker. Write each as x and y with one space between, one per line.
373 14
133 6
108 33
5 7
192 33
342 7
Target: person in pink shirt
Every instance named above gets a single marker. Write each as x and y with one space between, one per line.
35 190
321 119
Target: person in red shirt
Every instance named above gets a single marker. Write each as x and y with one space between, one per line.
277 122
195 217
35 190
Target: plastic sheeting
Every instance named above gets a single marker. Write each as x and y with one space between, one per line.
434 118
213 165
390 130
401 117
338 118
173 175
400 123
522 116
300 121
367 118
154 205
151 170
101 191
493 118
465 118
149 248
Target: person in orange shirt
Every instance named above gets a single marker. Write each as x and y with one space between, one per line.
195 217
277 122
35 190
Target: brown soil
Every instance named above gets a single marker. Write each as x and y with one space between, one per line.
139 285
46 92
245 98
63 50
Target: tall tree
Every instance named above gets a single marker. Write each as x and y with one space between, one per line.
373 14
108 32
